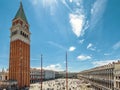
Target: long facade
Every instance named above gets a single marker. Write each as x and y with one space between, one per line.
19 61
105 77
35 75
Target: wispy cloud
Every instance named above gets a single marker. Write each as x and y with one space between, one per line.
97 11
91 47
71 1
103 62
56 45
107 54
47 4
77 2
72 48
81 41
65 3
55 67
84 57
78 18
116 45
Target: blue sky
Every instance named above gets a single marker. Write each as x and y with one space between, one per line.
87 29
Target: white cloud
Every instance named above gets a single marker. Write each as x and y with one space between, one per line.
56 45
55 67
103 62
78 4
81 41
97 11
77 22
72 48
71 1
116 45
91 47
77 18
84 57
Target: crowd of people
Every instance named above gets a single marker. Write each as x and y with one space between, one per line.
58 84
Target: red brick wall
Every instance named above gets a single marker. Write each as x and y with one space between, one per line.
19 65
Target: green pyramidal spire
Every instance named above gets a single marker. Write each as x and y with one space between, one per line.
21 14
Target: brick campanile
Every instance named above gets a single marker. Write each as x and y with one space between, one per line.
19 61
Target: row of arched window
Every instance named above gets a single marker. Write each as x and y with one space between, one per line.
21 33
24 34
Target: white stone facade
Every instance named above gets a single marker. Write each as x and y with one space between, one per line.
105 77
35 75
4 75
49 74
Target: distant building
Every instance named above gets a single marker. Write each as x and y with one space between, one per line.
62 74
58 74
105 77
4 75
5 83
72 75
8 85
49 74
35 75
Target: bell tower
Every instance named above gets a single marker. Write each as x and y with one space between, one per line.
19 61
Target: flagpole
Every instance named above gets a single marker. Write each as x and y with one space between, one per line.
66 73
41 72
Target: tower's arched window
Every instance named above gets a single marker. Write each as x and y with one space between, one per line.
0 77
25 35
20 32
15 32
